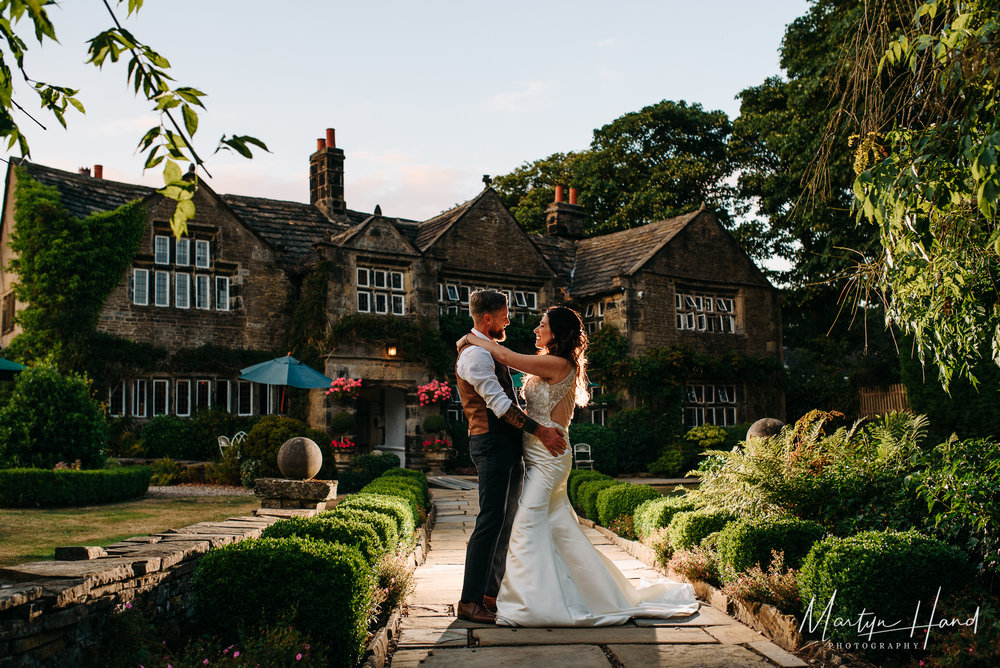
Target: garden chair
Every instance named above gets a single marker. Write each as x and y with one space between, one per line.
582 459
224 444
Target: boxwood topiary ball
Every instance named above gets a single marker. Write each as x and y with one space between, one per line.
299 458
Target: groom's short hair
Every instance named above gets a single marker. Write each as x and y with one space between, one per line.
482 302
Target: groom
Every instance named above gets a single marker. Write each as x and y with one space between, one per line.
495 426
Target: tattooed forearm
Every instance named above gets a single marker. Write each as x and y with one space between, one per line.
516 417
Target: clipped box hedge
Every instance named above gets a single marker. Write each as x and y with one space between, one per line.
383 524
324 590
618 500
689 528
884 573
337 529
587 492
748 542
48 488
418 485
657 513
576 478
397 508
400 490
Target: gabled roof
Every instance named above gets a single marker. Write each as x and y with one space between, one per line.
600 259
431 230
83 195
560 253
290 227
344 237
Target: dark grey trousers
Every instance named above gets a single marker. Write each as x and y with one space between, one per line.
501 475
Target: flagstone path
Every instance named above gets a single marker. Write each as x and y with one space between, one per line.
431 636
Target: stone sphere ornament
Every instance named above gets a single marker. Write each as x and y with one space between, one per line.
299 458
765 428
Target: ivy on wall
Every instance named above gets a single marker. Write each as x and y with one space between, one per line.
414 341
66 267
656 378
307 334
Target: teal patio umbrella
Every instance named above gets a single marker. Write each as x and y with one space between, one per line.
285 371
9 369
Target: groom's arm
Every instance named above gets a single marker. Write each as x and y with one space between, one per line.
476 366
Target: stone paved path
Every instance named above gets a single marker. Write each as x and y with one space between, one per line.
431 635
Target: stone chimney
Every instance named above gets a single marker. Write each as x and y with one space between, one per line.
326 177
564 219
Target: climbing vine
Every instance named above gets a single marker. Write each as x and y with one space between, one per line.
417 342
66 268
308 331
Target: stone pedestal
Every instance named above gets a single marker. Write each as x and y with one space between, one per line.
435 459
307 494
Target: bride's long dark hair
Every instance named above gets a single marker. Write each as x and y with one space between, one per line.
569 341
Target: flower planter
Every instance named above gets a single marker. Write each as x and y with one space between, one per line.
436 459
343 458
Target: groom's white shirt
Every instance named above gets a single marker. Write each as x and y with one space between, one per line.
478 367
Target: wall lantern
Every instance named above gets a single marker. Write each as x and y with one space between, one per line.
391 351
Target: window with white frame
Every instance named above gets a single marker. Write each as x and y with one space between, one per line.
182 290
593 316
139 398
221 293
703 312
599 416
710 404
161 288
244 397
160 396
380 291
116 400
161 249
183 397
140 287
202 255
202 397
182 254
202 299
453 297
222 395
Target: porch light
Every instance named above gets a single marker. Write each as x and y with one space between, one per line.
391 351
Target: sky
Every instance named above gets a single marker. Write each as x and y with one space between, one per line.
425 97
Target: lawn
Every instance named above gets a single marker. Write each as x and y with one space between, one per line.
33 534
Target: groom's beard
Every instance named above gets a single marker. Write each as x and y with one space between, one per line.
498 335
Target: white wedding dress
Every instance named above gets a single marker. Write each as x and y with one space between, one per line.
555 576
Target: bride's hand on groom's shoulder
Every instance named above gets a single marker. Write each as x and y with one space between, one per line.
461 342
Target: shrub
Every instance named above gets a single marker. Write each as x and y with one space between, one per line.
884 573
778 586
624 526
38 488
618 500
249 471
401 490
383 525
165 471
435 423
587 493
669 464
326 590
688 528
749 542
639 435
578 477
267 437
51 418
656 513
603 445
396 508
210 423
351 481
170 436
342 423
394 583
337 529
696 564
375 465
418 478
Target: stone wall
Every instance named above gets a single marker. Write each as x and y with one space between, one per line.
51 612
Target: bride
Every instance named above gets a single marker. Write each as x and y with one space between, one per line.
555 576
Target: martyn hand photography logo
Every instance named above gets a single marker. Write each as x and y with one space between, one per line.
869 624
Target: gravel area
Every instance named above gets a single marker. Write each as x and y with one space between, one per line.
156 492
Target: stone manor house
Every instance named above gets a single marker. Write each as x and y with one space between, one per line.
234 282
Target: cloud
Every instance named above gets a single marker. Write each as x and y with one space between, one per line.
524 98
610 41
415 191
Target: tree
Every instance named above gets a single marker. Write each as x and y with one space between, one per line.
928 182
148 71
645 166
784 124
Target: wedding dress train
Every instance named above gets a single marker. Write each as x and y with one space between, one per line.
555 576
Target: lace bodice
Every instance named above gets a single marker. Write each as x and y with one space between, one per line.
542 398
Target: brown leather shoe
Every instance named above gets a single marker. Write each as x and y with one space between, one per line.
490 603
475 612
